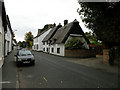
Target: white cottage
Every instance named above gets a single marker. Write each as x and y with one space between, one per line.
2 30
46 41
63 34
37 41
8 38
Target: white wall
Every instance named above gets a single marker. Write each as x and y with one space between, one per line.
35 43
1 43
8 41
45 47
40 39
55 46
1 39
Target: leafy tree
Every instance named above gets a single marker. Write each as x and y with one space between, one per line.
22 44
103 19
93 38
74 43
29 39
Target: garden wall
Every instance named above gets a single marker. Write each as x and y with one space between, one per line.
82 53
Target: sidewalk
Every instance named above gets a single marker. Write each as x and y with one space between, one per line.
96 63
1 63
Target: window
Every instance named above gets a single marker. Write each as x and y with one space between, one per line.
43 43
47 50
52 50
58 50
43 49
37 46
24 53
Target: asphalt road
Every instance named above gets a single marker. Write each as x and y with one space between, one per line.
55 72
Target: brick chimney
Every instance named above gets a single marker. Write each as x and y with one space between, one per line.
65 22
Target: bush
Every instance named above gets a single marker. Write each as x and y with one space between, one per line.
74 43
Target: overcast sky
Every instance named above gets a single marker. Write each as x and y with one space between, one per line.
31 15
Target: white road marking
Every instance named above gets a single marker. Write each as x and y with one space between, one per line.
45 79
61 81
5 82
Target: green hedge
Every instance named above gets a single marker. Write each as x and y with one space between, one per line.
74 43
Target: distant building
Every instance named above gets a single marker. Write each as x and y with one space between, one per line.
3 29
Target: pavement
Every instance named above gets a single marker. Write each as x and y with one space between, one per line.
1 63
96 62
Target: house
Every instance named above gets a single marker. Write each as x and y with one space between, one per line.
37 41
62 35
3 28
46 41
8 38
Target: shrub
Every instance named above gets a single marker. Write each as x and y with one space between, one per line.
74 43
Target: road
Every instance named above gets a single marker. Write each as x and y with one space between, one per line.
54 72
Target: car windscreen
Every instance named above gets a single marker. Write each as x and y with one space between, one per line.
24 53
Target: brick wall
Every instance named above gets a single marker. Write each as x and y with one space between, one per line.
99 49
106 57
83 53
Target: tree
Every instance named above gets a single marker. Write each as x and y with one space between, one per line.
93 38
103 19
22 44
29 39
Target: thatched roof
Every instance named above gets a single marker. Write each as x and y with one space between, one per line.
51 33
64 32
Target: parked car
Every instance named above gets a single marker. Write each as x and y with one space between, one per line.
24 57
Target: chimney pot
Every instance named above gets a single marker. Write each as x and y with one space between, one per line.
54 25
65 22
39 31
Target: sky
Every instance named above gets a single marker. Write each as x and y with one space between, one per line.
31 15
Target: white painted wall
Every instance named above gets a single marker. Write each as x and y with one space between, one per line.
55 46
35 43
1 43
45 47
40 39
8 41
